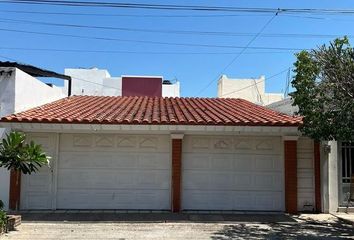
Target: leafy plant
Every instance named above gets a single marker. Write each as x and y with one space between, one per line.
3 217
18 155
324 83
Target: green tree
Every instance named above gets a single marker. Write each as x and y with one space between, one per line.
22 157
324 91
16 154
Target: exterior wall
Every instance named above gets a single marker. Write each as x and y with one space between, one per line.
98 82
86 81
112 86
141 86
18 92
252 90
171 90
30 92
333 177
305 174
284 106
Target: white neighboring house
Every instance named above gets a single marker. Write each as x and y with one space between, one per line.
98 82
337 161
251 89
20 91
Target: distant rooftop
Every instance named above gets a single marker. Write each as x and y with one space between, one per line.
34 71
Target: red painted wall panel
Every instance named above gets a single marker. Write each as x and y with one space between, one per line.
142 86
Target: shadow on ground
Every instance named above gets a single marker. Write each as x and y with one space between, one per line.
305 230
154 217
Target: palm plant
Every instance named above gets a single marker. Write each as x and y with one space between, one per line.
16 154
21 157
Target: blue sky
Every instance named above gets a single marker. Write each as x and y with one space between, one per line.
194 71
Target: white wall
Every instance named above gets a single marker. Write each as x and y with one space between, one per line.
86 81
18 92
30 92
305 174
284 106
112 86
98 82
252 90
171 90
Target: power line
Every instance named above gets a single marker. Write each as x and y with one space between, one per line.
135 15
238 55
213 33
131 52
81 79
146 41
256 83
204 8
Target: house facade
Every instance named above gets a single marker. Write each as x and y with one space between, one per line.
337 161
20 91
173 154
99 82
251 89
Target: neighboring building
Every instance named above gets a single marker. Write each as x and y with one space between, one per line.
284 106
98 82
337 164
20 91
252 90
167 154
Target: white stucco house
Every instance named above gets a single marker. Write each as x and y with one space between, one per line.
173 154
337 159
20 91
99 82
251 89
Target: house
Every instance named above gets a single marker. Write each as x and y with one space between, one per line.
98 82
252 89
337 159
19 91
174 154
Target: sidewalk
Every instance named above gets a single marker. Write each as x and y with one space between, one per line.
347 217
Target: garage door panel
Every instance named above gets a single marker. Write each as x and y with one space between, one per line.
154 161
118 199
222 163
98 171
113 179
38 200
250 177
268 163
36 188
196 161
243 162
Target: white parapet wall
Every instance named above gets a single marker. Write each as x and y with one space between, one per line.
171 90
250 89
18 92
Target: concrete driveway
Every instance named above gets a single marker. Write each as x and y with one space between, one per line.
179 226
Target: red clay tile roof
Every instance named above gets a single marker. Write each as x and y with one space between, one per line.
154 110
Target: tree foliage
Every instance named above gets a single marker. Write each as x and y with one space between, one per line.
324 83
18 155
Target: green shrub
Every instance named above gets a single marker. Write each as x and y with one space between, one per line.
3 217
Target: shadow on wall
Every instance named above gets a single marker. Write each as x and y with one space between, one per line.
306 230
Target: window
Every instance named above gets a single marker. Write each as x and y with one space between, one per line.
347 161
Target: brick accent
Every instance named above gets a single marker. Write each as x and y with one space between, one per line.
15 190
176 174
13 221
290 164
317 166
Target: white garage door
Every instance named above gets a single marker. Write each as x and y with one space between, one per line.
232 173
113 172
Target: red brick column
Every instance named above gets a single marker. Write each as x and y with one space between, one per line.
317 166
15 190
290 164
176 172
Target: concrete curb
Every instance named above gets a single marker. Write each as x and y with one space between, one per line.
346 220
